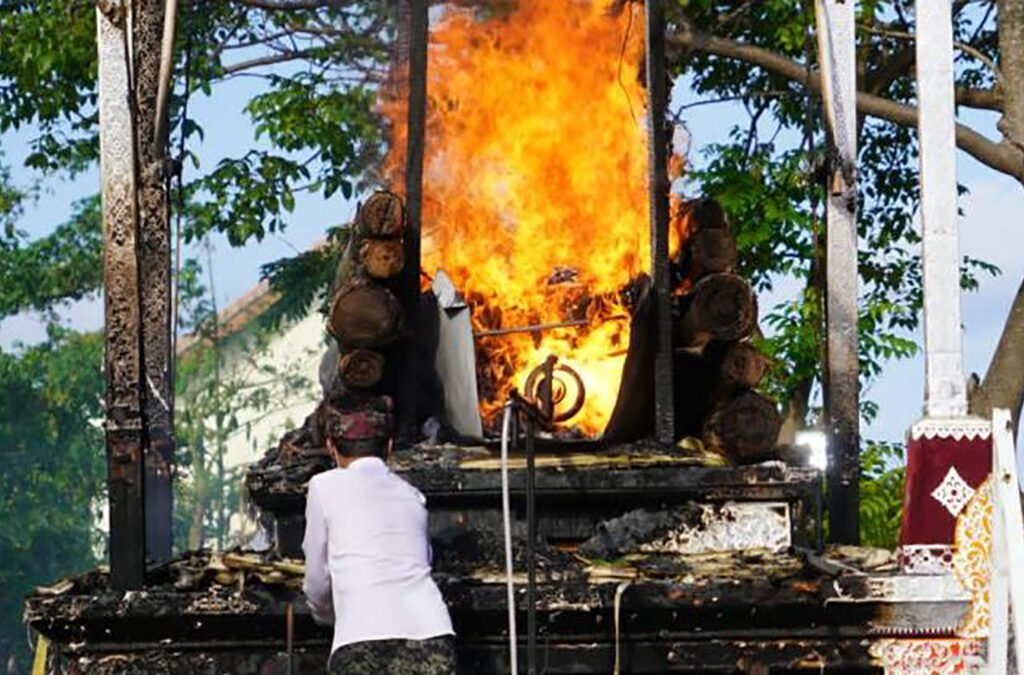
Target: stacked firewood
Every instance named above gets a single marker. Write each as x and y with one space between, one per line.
716 366
365 318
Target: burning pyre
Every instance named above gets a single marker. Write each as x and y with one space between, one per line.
535 184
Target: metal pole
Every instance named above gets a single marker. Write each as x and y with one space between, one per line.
531 547
122 358
945 391
410 277
837 58
658 184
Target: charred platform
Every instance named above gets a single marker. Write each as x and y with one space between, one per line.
671 566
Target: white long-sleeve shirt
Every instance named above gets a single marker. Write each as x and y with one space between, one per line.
368 557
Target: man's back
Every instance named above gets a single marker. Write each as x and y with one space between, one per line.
368 555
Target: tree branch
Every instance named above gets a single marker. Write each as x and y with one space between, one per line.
268 60
999 155
1003 386
286 5
976 54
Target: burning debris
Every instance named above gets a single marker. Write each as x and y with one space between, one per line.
536 189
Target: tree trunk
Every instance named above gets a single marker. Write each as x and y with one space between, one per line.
794 411
1003 386
1011 66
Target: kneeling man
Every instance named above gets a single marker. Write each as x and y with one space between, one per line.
368 554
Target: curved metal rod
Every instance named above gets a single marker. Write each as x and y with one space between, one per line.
163 91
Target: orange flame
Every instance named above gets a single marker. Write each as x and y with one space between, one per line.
535 185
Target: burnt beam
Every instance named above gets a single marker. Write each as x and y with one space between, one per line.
835 29
658 184
409 280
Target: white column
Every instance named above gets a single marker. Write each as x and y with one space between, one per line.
945 392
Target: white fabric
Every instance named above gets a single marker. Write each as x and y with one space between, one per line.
368 557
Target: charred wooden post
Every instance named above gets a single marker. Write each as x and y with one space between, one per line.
658 184
409 280
154 253
835 29
122 355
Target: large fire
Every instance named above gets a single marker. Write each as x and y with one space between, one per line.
535 184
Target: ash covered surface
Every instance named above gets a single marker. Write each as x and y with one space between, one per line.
278 481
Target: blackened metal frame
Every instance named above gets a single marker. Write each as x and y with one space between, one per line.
410 277
658 185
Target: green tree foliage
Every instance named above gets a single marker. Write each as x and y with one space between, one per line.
60 267
225 383
51 447
771 186
881 494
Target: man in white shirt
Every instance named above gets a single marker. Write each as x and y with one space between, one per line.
368 554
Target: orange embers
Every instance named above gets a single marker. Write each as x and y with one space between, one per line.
535 188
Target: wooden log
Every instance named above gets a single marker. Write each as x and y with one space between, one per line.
745 428
360 368
741 366
383 215
709 214
711 251
382 258
364 315
720 307
709 245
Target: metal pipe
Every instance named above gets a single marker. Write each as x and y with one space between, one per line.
531 542
166 69
540 327
506 513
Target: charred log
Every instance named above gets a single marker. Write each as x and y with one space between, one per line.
360 368
381 258
708 214
740 365
720 307
383 215
364 315
745 428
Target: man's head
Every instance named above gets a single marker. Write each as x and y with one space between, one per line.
356 428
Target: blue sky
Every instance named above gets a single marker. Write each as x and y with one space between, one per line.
989 231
